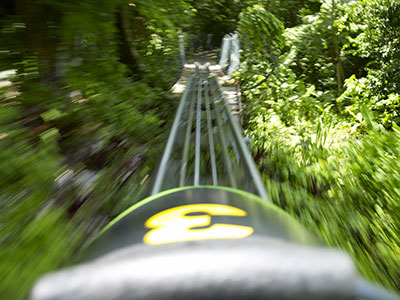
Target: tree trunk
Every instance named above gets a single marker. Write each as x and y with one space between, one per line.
41 37
129 54
336 51
339 67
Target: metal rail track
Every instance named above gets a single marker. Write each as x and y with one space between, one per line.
206 145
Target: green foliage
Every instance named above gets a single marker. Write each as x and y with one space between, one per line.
256 22
372 43
324 152
217 17
315 46
44 244
372 33
314 168
291 12
80 123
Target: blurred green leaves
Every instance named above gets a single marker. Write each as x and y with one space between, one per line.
82 122
323 151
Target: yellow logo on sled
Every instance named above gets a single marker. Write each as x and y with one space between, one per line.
174 225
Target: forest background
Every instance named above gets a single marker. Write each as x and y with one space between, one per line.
85 108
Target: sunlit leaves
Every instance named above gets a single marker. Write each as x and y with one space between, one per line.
323 151
261 29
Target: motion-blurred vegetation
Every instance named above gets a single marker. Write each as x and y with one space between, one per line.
85 109
84 106
322 113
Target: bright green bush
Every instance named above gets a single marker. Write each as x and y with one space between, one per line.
324 153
